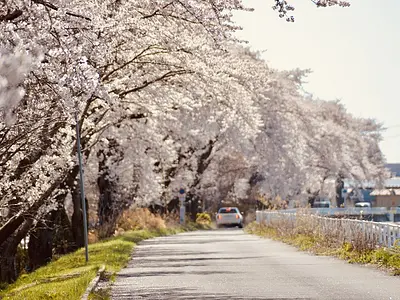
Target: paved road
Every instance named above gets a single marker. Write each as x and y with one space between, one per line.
229 264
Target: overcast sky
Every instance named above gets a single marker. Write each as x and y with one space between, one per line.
353 53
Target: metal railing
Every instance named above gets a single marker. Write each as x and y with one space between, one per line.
384 234
347 210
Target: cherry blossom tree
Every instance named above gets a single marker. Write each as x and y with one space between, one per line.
291 150
165 98
284 7
96 79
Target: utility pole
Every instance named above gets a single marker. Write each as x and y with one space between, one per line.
79 150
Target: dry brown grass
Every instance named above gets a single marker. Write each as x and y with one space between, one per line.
171 219
93 236
250 216
140 218
134 219
328 231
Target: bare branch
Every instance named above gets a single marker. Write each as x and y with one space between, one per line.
53 7
11 16
167 75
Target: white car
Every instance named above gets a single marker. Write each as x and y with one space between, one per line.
229 216
363 204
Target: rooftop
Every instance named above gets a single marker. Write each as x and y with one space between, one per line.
386 192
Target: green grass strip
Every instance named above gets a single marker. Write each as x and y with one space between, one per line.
69 276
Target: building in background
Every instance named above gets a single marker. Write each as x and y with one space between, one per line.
388 196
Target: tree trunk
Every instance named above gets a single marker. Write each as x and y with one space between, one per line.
107 212
194 207
109 206
63 239
105 205
40 246
8 251
51 234
8 272
339 187
77 217
16 221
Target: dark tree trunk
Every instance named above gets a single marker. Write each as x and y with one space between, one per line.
40 246
202 165
108 211
74 235
77 217
173 205
8 251
106 201
8 271
312 197
52 234
193 204
63 239
339 187
203 162
109 206
157 209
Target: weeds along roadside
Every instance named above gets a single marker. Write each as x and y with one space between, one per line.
330 238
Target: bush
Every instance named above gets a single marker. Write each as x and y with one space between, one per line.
140 218
93 236
203 218
250 216
171 219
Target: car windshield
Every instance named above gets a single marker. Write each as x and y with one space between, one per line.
228 211
321 204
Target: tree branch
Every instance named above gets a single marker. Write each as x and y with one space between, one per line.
147 83
13 223
53 7
11 16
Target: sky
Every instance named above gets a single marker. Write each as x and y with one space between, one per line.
353 53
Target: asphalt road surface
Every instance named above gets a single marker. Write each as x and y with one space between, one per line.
229 264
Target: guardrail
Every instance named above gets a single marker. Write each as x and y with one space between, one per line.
379 214
348 210
384 234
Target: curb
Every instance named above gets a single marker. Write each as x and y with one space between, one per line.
93 283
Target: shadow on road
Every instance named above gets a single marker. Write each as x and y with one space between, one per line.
188 294
144 260
193 242
169 273
167 252
173 265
